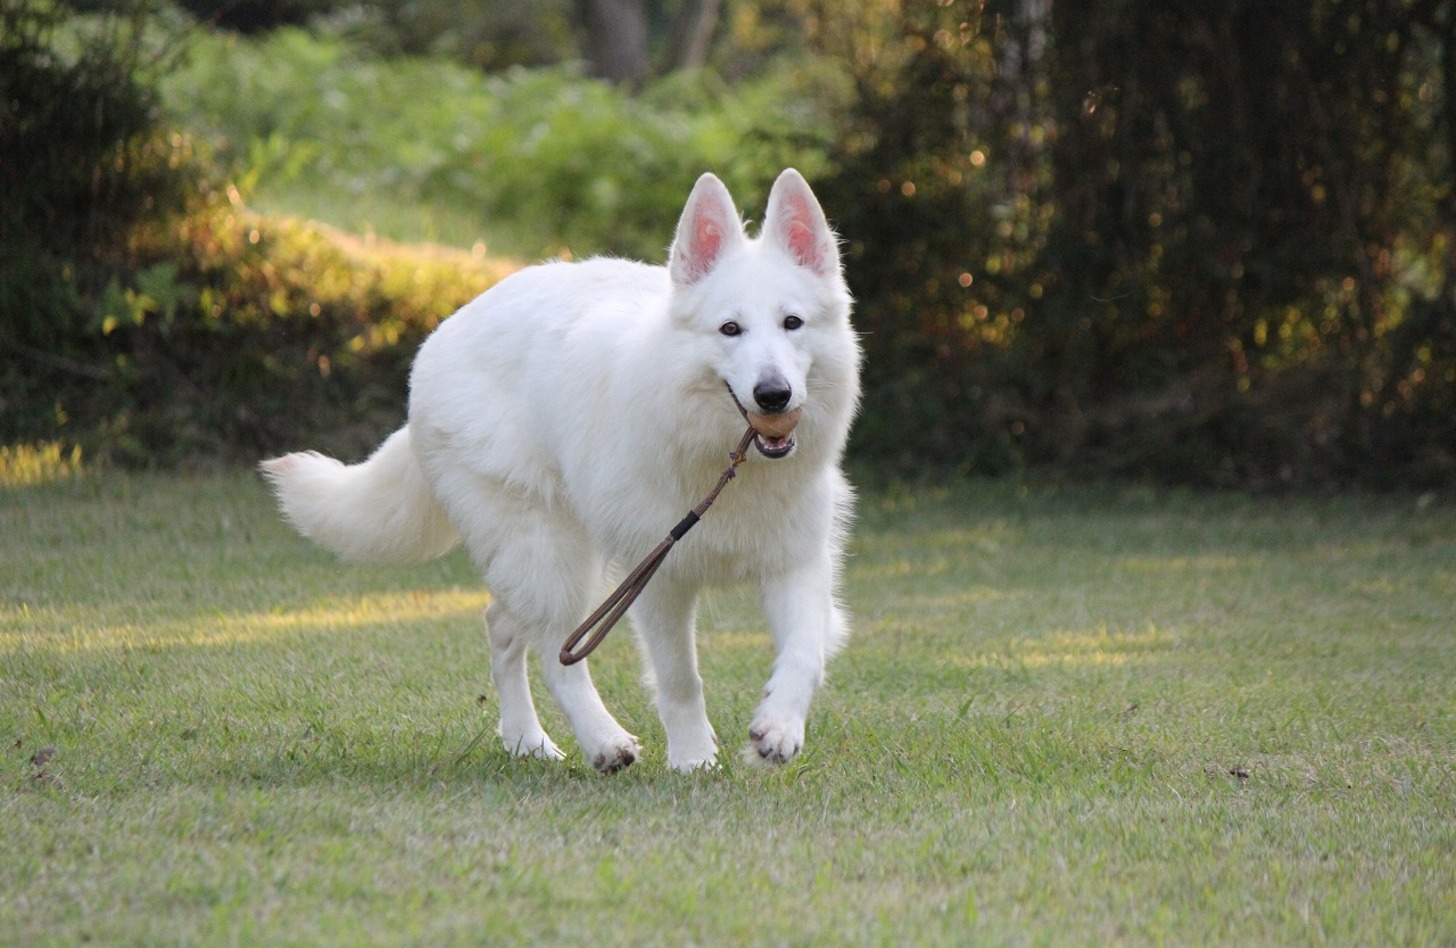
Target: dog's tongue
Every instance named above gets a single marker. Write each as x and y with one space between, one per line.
777 427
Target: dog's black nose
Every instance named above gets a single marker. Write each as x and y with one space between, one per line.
772 395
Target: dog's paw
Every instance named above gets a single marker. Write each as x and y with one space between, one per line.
536 746
685 756
617 755
774 741
688 766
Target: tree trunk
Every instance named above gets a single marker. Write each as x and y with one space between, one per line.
616 39
692 35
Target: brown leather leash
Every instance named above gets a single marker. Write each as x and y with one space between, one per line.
617 604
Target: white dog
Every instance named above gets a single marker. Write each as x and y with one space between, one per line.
566 418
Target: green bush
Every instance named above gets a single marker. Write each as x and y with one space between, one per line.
538 160
227 335
486 34
240 335
83 163
145 315
1205 244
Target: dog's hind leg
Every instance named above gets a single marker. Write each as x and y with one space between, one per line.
541 571
520 728
542 576
664 619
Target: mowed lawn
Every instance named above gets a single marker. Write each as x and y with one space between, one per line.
1065 717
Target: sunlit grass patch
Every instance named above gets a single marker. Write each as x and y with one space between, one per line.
28 465
1086 648
87 628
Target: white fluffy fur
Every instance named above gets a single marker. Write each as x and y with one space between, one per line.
569 416
340 508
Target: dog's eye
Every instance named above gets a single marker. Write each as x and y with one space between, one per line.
792 322
730 328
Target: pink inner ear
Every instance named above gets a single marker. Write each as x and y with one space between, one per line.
707 242
700 246
799 234
804 245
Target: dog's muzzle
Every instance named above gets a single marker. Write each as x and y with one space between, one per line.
774 433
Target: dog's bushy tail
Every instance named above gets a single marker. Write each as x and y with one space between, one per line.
380 511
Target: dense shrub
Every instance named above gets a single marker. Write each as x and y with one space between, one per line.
939 233
1274 237
1209 244
81 162
238 335
486 34
144 314
253 16
539 160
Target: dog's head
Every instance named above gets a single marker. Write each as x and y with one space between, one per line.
771 314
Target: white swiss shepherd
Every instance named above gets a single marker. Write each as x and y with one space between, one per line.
568 417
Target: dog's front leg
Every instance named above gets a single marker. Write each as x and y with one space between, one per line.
801 616
665 621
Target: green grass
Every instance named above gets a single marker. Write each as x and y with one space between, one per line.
1066 717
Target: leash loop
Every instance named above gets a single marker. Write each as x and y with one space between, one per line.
601 621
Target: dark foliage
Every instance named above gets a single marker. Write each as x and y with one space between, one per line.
81 163
1205 243
71 182
1209 243
144 314
937 242
256 16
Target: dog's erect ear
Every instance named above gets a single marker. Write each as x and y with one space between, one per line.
795 223
709 228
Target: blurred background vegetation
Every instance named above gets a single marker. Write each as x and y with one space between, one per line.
1207 244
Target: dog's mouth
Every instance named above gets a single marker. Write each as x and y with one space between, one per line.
773 446
774 434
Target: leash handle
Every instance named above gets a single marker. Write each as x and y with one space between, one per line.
616 605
